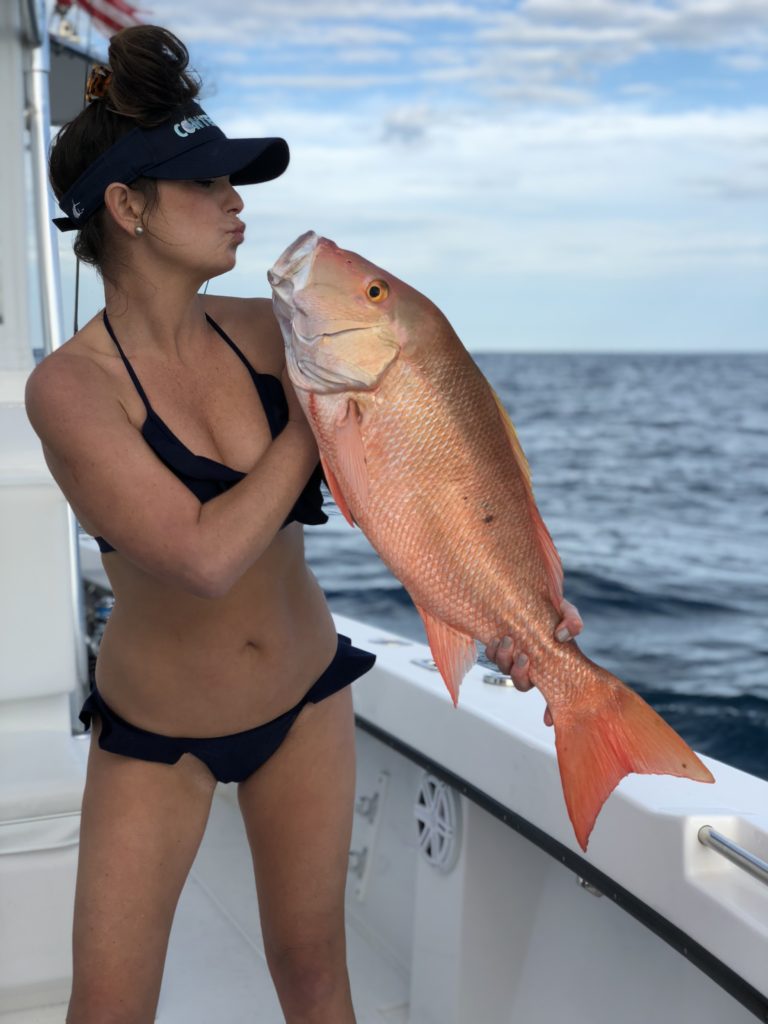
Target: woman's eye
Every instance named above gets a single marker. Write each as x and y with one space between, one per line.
206 182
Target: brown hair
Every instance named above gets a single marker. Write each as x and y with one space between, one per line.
149 80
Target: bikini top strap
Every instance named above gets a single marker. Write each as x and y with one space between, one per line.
223 334
128 366
266 384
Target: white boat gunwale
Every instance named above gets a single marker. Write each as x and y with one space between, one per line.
700 957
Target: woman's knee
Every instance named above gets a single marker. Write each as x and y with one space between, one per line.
310 974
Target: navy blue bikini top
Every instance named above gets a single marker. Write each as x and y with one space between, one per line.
205 477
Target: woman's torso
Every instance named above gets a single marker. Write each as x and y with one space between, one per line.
171 661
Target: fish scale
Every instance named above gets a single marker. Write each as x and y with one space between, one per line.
422 546
420 454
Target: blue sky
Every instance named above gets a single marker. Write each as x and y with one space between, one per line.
558 175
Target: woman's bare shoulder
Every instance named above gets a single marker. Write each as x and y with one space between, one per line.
78 363
252 326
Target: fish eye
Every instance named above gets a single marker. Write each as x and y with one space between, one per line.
377 291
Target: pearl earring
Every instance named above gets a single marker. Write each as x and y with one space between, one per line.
138 231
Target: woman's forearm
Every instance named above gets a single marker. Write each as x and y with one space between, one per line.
236 527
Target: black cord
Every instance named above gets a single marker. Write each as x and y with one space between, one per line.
77 291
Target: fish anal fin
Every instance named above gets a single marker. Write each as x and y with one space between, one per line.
621 735
454 652
350 453
552 563
336 494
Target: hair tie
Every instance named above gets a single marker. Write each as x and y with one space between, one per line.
98 82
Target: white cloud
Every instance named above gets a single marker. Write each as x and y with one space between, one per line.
367 55
468 145
749 62
537 51
319 80
601 192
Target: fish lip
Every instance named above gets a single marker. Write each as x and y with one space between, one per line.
292 268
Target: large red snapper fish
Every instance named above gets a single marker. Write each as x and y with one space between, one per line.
419 453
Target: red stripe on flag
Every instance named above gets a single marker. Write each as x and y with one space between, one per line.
111 15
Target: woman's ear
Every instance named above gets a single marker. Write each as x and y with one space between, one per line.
125 206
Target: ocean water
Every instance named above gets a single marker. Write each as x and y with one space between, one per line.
651 472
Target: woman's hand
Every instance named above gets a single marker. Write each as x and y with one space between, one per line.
501 651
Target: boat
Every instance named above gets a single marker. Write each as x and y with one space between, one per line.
468 899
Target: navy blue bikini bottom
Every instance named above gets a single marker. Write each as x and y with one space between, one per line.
230 758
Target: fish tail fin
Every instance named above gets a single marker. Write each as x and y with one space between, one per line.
597 747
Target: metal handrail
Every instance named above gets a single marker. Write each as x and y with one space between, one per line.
38 120
726 847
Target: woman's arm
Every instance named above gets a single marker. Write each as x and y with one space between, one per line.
232 535
116 483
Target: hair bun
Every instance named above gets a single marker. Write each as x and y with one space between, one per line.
149 74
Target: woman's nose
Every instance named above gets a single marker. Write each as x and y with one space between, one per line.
235 200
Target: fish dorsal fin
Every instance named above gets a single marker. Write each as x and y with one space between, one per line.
338 497
454 653
547 547
350 454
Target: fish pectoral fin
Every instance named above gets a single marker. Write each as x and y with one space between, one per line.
351 453
545 543
338 497
454 652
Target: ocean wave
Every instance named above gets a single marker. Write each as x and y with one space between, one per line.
594 592
731 729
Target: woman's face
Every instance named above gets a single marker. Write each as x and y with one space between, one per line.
196 225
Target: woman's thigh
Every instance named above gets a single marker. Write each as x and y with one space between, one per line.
142 823
298 811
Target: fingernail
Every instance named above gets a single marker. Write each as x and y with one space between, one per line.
506 643
521 661
562 634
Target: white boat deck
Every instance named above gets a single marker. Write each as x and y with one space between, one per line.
216 969
216 956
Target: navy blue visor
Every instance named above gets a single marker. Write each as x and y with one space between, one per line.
186 147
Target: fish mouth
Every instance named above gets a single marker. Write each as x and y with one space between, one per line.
293 267
289 275
306 354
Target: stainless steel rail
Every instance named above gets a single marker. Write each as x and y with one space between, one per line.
38 121
37 76
732 851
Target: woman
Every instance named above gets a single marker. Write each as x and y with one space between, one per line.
219 630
